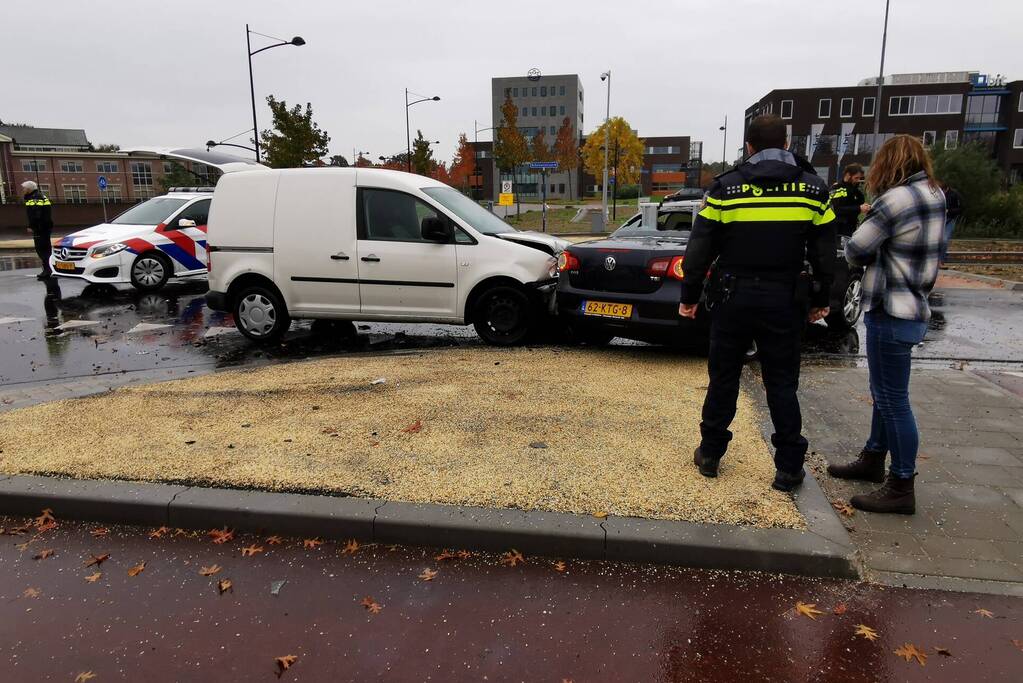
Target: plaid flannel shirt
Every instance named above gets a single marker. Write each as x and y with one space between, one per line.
900 242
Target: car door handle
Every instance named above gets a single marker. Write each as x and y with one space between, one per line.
339 256
371 258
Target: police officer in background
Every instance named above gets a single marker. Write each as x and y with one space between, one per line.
760 221
40 223
847 200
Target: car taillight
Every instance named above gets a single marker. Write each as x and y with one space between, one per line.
665 266
567 261
675 269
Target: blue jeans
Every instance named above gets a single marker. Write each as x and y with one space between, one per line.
890 343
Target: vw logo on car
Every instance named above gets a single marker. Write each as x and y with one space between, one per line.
610 263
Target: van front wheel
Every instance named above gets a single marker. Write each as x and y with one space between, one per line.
503 316
260 314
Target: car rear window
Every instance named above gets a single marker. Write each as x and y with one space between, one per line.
669 223
152 212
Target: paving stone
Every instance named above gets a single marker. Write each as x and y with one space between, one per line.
972 524
970 438
972 454
970 473
962 548
901 544
1011 551
1014 494
969 497
973 569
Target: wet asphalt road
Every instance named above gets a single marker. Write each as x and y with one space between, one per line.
476 620
66 328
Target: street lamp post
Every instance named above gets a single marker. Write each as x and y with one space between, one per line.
475 148
297 41
408 134
356 155
880 83
213 143
606 76
724 145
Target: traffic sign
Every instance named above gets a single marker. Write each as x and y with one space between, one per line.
506 187
546 165
102 182
505 199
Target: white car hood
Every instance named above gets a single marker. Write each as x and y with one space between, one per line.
105 232
531 237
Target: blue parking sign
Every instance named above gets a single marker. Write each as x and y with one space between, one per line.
102 182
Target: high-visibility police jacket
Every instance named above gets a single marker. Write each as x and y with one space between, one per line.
38 207
846 200
764 219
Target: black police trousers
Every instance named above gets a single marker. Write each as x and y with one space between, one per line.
44 248
767 313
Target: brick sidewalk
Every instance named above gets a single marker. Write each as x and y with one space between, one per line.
968 530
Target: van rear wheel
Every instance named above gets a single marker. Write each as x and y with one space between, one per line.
260 314
503 316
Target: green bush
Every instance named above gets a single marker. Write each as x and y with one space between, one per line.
628 191
988 211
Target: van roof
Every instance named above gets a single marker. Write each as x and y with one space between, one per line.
386 177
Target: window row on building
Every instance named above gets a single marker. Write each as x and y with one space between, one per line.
552 110
538 91
898 105
78 166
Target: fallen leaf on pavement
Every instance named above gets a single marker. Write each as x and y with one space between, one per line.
45 518
1018 644
284 663
43 554
944 652
600 515
100 532
251 550
445 555
225 585
221 536
844 508
46 526
137 569
865 631
274 540
97 560
464 554
158 533
24 546
31 593
211 570
414 428
984 613
839 608
428 574
560 566
350 547
512 558
311 543
20 530
371 605
93 578
808 609
908 651
84 676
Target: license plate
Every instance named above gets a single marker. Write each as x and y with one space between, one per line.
63 265
604 309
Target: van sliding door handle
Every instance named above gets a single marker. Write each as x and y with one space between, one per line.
371 258
339 257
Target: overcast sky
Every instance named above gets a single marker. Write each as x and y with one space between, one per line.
174 73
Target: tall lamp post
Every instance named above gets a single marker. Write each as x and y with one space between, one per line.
297 41
475 148
724 145
606 76
408 135
880 83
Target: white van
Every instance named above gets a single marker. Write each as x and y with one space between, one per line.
368 244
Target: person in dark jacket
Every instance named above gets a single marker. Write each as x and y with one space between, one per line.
847 200
760 223
953 210
40 224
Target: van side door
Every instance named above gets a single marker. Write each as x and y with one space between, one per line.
315 262
402 275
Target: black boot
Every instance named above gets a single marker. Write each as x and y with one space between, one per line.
787 481
895 496
868 466
708 466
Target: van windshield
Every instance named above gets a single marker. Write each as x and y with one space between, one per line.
153 212
469 211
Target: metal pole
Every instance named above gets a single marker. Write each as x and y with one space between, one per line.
607 143
880 83
103 200
543 195
252 93
614 191
408 138
475 155
724 147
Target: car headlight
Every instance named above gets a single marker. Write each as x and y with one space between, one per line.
109 250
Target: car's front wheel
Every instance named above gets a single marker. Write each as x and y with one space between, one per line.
150 271
260 314
503 316
852 303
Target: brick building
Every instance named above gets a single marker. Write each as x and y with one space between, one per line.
833 126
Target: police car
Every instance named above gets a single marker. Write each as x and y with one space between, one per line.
145 246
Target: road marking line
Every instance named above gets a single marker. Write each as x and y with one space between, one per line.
147 327
11 321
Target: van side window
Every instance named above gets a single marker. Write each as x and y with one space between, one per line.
198 212
393 216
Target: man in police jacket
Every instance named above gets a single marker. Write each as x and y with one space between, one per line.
761 223
40 222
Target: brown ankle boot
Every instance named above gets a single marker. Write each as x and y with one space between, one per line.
895 496
868 466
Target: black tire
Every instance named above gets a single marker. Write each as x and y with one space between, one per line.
150 271
852 305
260 314
503 316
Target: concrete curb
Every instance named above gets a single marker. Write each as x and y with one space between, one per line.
813 552
1009 285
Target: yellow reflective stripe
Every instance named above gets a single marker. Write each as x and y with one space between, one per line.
773 199
828 216
840 192
715 202
710 213
38 202
766 214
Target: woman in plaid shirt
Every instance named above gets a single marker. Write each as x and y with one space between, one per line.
900 243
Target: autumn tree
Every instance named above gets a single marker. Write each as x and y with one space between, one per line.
623 142
339 161
362 162
510 147
566 150
295 140
422 155
463 164
538 148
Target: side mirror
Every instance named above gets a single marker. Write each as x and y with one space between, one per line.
186 223
437 230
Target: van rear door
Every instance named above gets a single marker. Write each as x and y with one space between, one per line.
315 255
225 163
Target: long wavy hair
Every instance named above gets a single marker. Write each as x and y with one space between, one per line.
898 159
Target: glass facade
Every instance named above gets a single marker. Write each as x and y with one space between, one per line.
983 110
907 105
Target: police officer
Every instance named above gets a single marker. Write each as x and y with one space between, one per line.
40 223
847 200
761 222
